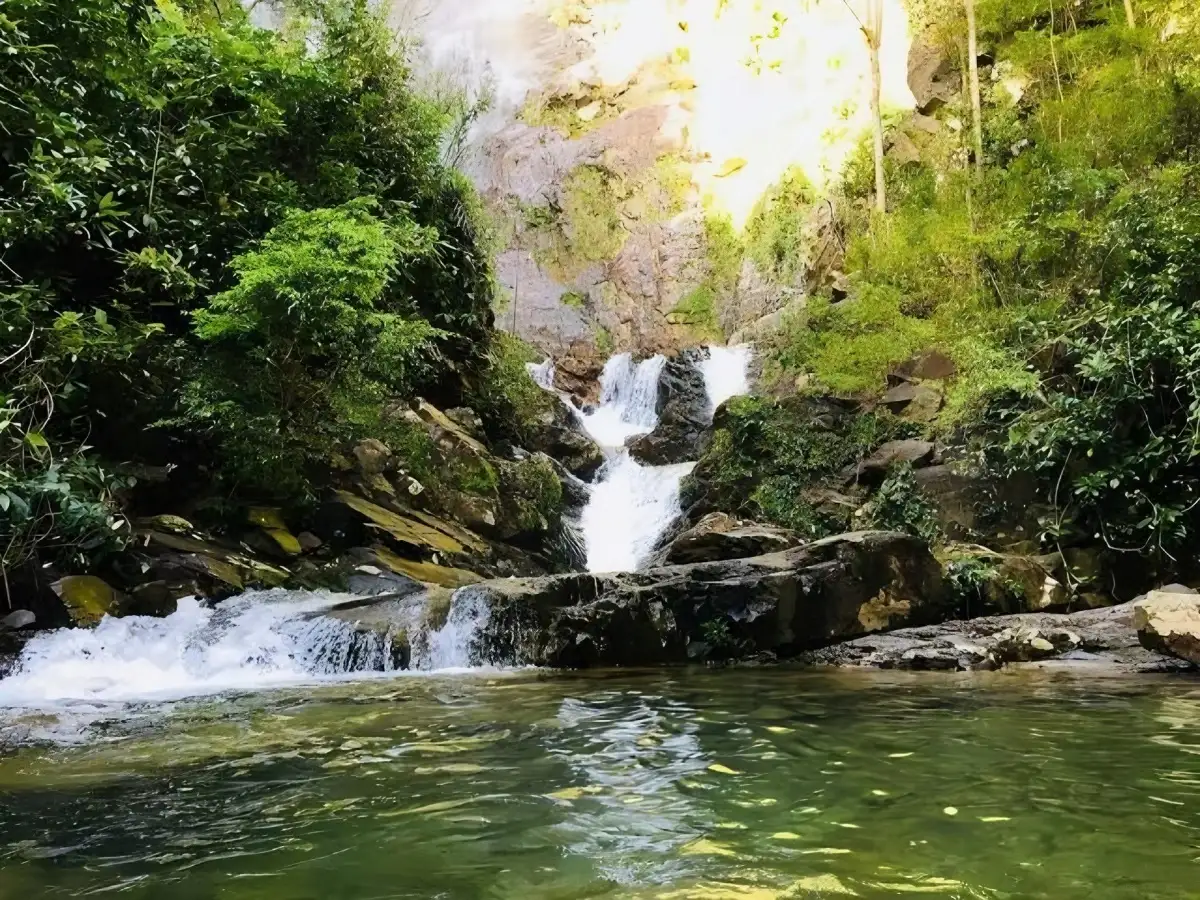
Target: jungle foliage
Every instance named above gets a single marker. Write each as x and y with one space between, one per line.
221 246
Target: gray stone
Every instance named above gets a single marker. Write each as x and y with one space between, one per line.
932 75
875 467
683 415
781 603
1099 640
17 619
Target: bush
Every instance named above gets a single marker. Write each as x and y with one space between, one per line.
306 347
766 457
899 505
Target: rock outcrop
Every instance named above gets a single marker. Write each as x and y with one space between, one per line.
1102 640
780 603
1168 621
683 414
719 536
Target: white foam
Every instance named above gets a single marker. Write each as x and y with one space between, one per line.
726 373
255 641
628 401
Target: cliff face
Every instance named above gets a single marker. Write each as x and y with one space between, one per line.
639 155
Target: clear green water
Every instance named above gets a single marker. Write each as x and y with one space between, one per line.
751 784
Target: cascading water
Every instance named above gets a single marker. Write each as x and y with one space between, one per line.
631 505
259 640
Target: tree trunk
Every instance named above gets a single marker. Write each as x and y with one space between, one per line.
973 67
1129 14
873 30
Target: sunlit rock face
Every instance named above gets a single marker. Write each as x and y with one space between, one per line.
618 127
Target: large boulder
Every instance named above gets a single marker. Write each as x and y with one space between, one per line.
782 603
932 75
719 536
1169 622
559 434
88 599
683 414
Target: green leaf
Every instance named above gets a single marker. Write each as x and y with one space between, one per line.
36 440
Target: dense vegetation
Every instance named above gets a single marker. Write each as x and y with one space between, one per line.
1062 279
225 252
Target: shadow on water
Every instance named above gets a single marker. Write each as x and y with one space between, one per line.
667 784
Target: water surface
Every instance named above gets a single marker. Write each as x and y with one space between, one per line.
751 783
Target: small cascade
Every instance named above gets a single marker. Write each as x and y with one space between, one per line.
456 644
258 640
628 401
631 505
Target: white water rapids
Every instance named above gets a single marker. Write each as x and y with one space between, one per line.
271 639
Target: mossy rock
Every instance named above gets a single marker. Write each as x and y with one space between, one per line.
88 599
426 572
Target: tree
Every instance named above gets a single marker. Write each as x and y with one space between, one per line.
873 31
973 68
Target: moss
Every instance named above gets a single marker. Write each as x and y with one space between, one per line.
698 311
604 340
777 233
532 494
504 396
574 299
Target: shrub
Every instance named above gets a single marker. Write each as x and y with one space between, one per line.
304 349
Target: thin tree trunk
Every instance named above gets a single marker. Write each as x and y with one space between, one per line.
874 34
973 67
1129 14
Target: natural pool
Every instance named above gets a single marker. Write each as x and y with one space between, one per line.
744 783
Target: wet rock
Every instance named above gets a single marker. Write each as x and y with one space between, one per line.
309 542
422 531
88 599
914 402
1169 622
956 494
373 456
559 434
683 414
1100 640
719 536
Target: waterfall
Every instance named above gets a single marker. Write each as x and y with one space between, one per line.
632 505
455 644
628 401
726 372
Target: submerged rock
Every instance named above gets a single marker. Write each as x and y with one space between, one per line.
1169 622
